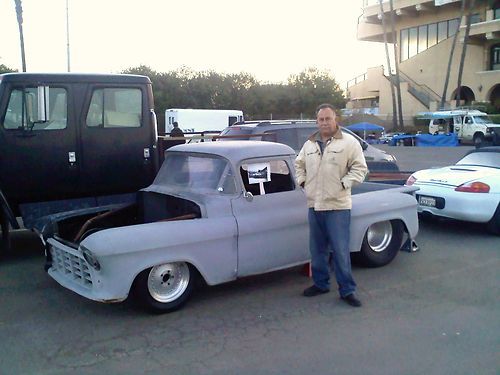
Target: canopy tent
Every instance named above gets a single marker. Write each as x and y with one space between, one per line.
365 127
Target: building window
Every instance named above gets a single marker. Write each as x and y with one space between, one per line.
453 26
413 42
404 44
495 57
442 31
422 38
432 35
475 18
417 39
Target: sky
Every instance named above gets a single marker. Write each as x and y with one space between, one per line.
269 39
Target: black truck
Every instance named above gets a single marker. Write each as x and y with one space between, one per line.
71 141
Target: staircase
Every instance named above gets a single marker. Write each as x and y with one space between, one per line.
423 93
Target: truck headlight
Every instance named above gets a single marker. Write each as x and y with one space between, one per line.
90 258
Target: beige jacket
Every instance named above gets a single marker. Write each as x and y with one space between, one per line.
328 178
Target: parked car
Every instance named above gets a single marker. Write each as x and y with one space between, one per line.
216 211
468 190
387 137
295 133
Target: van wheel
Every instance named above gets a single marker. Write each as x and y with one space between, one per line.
478 139
494 223
381 243
165 287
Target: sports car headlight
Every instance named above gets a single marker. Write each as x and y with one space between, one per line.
90 258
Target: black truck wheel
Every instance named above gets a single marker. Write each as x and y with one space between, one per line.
494 223
381 243
166 287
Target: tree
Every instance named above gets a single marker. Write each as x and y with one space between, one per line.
393 93
6 69
19 13
400 126
450 59
464 50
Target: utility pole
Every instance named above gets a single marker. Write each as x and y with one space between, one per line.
67 34
19 12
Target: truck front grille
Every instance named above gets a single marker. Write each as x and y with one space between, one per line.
72 266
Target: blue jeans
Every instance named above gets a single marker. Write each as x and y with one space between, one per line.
329 234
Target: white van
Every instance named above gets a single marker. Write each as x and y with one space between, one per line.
201 120
469 125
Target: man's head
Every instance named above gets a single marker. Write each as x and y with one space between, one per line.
175 124
326 120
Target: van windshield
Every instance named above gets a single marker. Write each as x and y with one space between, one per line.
482 120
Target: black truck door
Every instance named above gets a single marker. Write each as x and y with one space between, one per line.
116 139
37 160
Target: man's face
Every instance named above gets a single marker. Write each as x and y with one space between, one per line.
326 122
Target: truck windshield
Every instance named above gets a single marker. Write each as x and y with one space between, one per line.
482 120
202 174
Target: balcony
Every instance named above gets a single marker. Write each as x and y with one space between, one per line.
481 31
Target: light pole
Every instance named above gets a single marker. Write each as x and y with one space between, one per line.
67 34
19 12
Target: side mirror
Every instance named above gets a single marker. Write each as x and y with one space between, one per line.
364 145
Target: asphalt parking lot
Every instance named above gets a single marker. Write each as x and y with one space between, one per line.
434 311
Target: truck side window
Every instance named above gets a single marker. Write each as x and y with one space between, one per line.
26 100
115 108
267 178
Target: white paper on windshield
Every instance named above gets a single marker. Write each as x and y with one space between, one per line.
259 172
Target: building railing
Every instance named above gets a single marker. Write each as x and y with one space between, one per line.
356 80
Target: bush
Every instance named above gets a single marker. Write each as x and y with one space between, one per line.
495 118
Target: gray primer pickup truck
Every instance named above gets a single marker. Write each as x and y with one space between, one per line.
216 211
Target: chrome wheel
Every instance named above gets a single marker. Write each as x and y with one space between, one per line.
379 236
167 282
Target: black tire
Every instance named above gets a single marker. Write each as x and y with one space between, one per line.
154 291
381 243
494 223
478 139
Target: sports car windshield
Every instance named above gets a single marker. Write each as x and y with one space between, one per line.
202 174
484 159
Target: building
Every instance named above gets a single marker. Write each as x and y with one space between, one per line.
425 33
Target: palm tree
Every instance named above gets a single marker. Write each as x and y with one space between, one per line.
448 70
396 64
393 94
19 12
464 50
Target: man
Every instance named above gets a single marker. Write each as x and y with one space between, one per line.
328 165
177 133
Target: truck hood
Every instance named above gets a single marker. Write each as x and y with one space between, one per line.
452 176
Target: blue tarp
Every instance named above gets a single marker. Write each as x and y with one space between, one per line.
427 140
444 140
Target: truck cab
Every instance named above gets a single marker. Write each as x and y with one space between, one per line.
71 140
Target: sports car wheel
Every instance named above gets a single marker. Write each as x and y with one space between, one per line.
494 223
381 243
165 287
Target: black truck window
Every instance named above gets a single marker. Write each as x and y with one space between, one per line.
23 112
115 107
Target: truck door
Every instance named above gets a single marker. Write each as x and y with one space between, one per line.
38 139
468 127
272 225
117 140
457 123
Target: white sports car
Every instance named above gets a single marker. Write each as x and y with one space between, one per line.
468 190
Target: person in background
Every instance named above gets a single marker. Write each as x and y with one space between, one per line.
328 165
177 133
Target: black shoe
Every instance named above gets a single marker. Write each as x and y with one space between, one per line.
351 300
314 291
